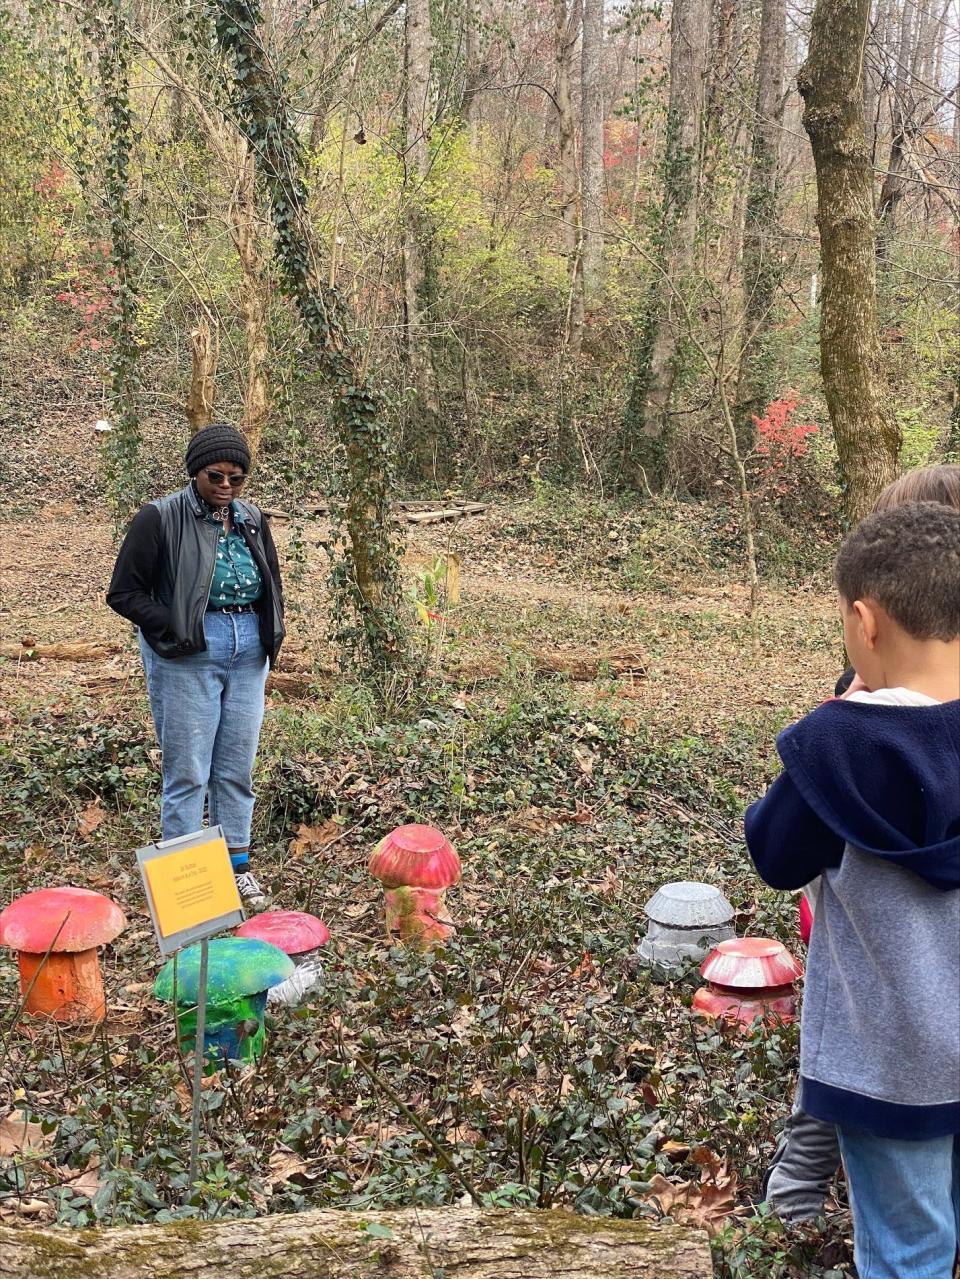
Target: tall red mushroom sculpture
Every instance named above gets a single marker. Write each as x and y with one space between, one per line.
69 923
416 865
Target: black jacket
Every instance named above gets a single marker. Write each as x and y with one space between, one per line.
161 580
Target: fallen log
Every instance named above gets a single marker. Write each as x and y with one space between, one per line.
577 666
459 1243
412 512
448 513
26 651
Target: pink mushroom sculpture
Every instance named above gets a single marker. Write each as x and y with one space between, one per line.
298 935
749 977
69 923
416 865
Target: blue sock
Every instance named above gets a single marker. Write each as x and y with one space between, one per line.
239 859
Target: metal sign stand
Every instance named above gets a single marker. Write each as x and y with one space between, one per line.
183 921
199 1056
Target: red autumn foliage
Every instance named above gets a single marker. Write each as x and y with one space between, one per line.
778 433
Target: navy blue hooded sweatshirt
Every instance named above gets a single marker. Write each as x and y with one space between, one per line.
870 800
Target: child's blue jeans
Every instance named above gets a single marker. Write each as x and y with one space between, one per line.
905 1197
207 709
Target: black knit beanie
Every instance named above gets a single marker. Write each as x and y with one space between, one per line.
218 442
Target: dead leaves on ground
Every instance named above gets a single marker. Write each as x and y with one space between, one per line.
19 1136
28 1146
313 839
90 818
705 1203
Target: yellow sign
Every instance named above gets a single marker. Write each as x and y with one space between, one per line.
192 886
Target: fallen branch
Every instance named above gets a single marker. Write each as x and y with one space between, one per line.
460 1243
576 666
26 651
412 512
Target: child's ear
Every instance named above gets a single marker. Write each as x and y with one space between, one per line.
866 612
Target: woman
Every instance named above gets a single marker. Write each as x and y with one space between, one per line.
198 574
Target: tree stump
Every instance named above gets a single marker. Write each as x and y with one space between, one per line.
409 1243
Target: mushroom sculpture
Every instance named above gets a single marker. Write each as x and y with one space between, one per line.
298 935
749 977
56 932
686 920
240 971
416 865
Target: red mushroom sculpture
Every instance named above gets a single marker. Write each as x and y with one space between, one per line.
69 923
416 865
298 935
749 977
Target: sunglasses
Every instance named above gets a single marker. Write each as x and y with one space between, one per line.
217 477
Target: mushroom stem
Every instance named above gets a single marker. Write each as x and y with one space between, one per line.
64 985
233 1031
417 914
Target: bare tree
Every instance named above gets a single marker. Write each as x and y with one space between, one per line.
418 285
762 259
566 33
831 85
647 422
591 133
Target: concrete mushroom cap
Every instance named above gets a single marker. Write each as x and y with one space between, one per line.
292 931
88 919
688 904
236 966
751 963
415 856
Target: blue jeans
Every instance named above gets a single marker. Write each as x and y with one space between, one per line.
207 709
905 1197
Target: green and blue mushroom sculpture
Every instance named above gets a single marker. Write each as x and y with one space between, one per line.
240 971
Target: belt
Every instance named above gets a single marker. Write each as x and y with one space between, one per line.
232 608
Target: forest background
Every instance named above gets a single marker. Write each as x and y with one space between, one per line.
565 259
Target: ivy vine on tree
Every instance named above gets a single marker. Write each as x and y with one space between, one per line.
367 576
109 32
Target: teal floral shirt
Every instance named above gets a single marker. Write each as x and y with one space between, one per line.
236 577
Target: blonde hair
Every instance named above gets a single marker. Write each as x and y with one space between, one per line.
923 484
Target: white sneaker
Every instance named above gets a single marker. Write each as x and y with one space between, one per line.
251 894
304 979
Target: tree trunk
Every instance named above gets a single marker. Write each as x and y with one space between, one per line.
460 1243
647 423
370 573
476 71
762 259
204 357
831 85
566 31
254 304
591 133
418 282
720 88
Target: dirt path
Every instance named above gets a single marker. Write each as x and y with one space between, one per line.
703 666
